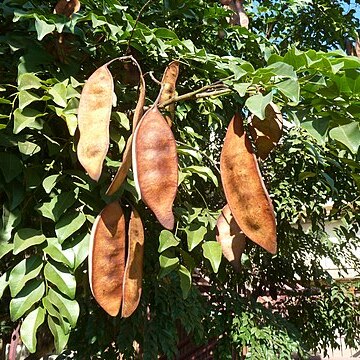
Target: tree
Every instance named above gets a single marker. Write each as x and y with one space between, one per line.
49 203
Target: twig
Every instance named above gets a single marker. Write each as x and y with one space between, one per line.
153 78
136 21
205 91
272 24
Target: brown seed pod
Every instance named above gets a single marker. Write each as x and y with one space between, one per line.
107 258
155 165
230 237
244 188
126 161
67 7
134 266
93 121
266 133
168 86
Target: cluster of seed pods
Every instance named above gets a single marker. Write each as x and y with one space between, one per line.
249 212
116 281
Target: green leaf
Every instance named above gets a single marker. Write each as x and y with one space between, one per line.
165 33
10 166
43 28
24 271
28 81
241 88
57 253
185 281
195 234
282 69
80 248
3 283
28 148
26 98
58 205
68 308
28 296
49 183
60 336
348 134
291 89
212 252
204 172
69 224
166 240
58 92
122 119
306 174
5 248
168 263
257 104
9 220
61 277
30 326
25 238
27 118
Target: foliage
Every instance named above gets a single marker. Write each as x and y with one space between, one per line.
49 203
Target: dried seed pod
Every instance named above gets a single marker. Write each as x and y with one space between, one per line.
93 121
126 161
134 266
230 237
155 165
168 85
67 7
266 133
107 258
244 188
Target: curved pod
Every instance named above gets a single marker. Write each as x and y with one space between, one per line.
230 237
155 165
107 258
134 266
126 160
266 133
244 188
93 121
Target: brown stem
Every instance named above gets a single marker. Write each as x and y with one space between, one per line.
273 23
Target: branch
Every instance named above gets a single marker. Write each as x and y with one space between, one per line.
205 91
136 21
272 24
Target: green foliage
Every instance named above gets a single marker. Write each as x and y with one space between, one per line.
48 203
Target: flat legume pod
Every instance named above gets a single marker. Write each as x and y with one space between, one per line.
266 133
126 160
93 121
67 7
107 258
134 266
168 89
230 237
155 165
244 188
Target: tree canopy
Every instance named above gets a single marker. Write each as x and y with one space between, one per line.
292 55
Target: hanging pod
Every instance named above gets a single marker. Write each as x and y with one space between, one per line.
168 89
126 160
132 284
244 188
155 165
93 121
230 237
266 133
67 7
107 258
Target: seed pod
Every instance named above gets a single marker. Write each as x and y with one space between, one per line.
266 133
134 266
244 188
230 237
126 161
155 165
93 121
67 7
168 85
107 258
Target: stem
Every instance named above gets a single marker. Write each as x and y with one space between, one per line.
136 21
199 93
